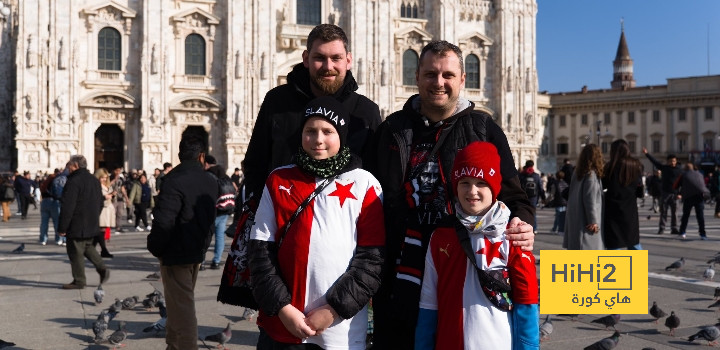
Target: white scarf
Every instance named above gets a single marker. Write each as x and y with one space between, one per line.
492 224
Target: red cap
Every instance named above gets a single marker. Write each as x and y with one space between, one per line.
479 160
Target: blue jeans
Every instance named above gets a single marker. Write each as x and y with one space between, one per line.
220 227
49 209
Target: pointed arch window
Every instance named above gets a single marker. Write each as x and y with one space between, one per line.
308 12
194 55
408 10
109 49
409 67
472 72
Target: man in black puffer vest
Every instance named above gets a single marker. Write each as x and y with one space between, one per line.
412 154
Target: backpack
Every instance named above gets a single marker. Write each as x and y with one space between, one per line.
530 186
226 200
57 186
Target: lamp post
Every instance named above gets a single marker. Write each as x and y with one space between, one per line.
4 11
599 122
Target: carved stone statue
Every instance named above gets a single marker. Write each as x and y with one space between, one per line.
29 53
60 104
238 65
509 80
62 60
263 66
360 72
152 108
528 122
383 73
153 61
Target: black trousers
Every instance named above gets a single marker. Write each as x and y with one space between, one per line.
141 213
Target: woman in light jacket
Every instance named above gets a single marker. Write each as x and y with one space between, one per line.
107 215
583 221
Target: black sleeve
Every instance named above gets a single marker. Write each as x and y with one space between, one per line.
655 162
353 289
168 206
511 193
67 205
257 157
269 289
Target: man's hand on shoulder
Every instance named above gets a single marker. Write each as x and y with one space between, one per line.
521 234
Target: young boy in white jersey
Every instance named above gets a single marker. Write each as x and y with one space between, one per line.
314 279
461 307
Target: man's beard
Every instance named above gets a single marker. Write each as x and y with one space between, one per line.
327 87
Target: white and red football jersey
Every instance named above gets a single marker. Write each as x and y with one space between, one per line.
321 241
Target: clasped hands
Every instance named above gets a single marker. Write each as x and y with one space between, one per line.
304 326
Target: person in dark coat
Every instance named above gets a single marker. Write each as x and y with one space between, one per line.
181 232
23 187
623 180
276 135
81 203
694 192
670 172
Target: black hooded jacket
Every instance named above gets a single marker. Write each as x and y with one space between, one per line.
276 136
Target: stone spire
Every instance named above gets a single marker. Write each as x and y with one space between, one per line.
623 64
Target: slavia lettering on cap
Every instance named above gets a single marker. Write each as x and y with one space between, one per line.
472 172
325 112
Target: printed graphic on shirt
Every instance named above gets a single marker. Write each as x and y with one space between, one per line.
424 187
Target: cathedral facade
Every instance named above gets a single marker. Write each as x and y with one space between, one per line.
120 81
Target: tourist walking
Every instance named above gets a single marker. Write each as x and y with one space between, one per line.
694 192
622 181
583 222
668 198
107 214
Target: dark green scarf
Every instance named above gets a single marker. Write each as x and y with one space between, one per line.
323 168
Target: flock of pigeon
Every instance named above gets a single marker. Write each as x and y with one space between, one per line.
709 333
152 300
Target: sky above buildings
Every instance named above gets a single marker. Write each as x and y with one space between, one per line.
577 41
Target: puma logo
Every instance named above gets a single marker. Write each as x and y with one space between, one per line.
525 256
281 187
445 250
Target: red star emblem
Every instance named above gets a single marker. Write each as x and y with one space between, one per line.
490 250
342 192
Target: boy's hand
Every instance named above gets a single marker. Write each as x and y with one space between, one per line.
521 234
321 318
294 321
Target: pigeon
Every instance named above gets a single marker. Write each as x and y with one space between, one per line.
129 302
676 265
606 343
152 299
5 344
709 333
162 308
117 306
709 273
672 322
717 292
157 327
222 337
717 303
608 321
546 328
100 326
99 294
714 260
118 336
249 313
657 312
19 249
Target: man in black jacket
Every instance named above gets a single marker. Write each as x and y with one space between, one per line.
428 131
81 203
180 236
325 71
668 197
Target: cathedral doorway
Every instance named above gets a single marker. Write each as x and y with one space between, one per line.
109 147
198 131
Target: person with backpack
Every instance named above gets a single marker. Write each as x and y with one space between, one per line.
556 200
225 205
530 182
